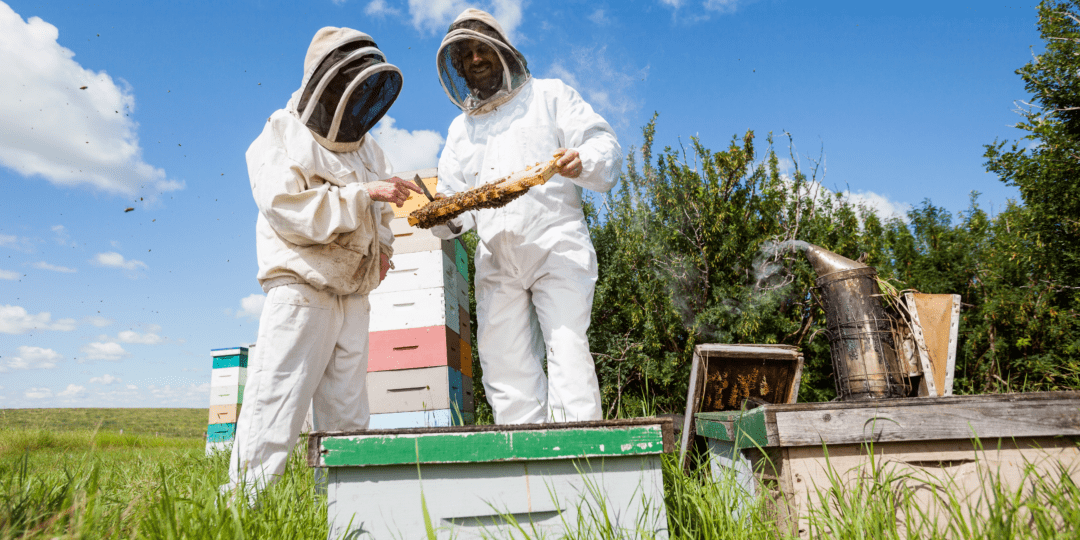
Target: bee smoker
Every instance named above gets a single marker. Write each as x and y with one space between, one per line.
864 357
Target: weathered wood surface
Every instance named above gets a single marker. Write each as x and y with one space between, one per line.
1040 414
468 444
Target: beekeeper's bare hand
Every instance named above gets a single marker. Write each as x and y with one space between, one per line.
569 164
393 191
384 266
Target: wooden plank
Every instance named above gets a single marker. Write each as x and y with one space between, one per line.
663 423
414 348
928 386
399 310
747 350
693 400
930 419
552 443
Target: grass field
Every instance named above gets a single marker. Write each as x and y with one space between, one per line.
186 423
87 483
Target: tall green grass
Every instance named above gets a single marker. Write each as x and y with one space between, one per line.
85 485
155 492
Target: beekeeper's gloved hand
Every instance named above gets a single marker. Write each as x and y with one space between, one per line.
394 190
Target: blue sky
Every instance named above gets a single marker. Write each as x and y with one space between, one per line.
105 308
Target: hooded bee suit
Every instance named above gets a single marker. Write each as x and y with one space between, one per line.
319 237
535 263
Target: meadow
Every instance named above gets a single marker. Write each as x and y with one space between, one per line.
87 482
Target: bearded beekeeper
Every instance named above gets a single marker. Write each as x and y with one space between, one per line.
324 242
535 263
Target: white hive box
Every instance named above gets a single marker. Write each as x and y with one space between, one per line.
409 239
546 477
423 270
398 310
226 395
421 389
233 376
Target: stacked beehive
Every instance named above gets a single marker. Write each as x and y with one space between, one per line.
227 380
420 362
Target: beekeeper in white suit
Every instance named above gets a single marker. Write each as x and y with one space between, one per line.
324 242
535 263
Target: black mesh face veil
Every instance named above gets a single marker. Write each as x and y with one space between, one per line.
348 93
452 68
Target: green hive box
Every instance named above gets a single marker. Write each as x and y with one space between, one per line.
479 481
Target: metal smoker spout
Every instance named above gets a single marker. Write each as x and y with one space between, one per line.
826 262
865 363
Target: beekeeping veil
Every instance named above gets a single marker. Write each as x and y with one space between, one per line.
477 25
348 86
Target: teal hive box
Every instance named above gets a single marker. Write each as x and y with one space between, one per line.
231 357
461 259
220 432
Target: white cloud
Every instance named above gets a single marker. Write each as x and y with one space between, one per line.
378 8
98 321
599 18
42 265
434 16
9 275
62 237
251 306
132 387
105 379
56 129
37 393
73 391
884 207
130 336
10 241
722 6
113 259
15 320
104 351
610 89
31 358
408 150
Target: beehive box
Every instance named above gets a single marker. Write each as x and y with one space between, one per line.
792 452
414 348
402 310
477 480
405 390
724 376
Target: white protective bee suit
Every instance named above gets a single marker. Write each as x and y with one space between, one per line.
535 263
319 237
